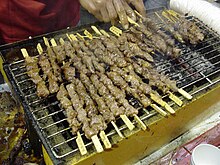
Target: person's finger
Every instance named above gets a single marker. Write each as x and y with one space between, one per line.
105 15
99 3
99 16
130 12
139 6
121 13
111 11
90 6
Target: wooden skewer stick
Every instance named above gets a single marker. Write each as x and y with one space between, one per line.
68 36
24 53
96 30
97 143
61 40
131 21
80 36
46 42
53 42
117 129
176 35
158 109
185 94
138 14
164 14
104 33
158 100
175 99
39 48
173 13
80 144
126 120
116 31
105 140
88 34
140 122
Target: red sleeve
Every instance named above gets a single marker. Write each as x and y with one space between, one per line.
20 19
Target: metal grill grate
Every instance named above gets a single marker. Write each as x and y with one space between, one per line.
197 69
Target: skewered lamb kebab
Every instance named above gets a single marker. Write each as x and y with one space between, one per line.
118 94
119 81
147 90
95 121
158 41
103 109
62 96
60 53
105 93
121 99
46 68
87 116
189 31
53 60
91 125
73 116
33 73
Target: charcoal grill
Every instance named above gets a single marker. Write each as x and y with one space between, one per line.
197 71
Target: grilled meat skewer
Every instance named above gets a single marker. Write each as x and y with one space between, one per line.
46 67
33 73
62 96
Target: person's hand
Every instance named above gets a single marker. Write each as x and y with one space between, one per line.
111 10
139 6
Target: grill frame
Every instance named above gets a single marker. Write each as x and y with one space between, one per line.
27 109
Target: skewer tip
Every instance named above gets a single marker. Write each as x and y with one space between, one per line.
140 122
126 120
185 94
105 140
169 109
97 144
117 130
81 144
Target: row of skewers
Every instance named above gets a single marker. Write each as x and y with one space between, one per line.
92 77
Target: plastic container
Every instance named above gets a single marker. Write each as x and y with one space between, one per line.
205 154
